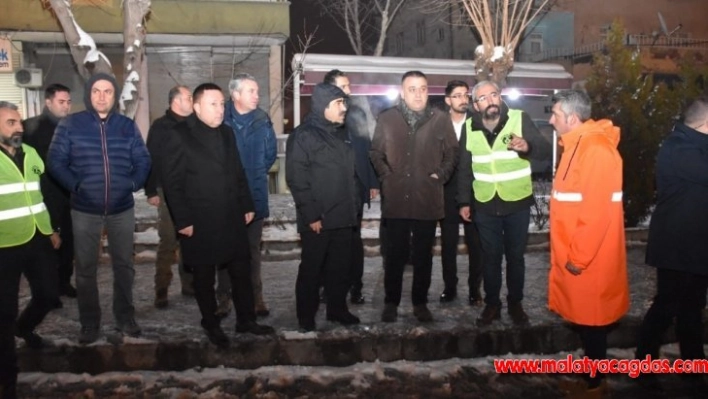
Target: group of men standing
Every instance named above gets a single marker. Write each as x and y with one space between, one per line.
206 171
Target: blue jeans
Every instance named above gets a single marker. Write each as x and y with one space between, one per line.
503 236
87 243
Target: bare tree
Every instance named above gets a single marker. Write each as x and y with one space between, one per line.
89 60
364 21
501 25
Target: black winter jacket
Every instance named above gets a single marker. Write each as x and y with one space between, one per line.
679 225
321 175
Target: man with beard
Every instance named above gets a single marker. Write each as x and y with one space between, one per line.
495 180
39 132
26 241
457 97
367 183
180 101
321 175
207 194
414 152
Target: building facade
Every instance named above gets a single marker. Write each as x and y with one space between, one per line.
188 42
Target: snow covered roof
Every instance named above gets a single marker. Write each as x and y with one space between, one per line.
371 75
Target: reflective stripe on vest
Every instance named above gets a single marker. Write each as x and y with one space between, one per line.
22 209
18 187
578 197
496 169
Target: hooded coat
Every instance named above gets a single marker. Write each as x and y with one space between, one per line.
320 168
587 228
100 162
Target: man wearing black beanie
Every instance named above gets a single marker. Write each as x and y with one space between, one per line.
320 173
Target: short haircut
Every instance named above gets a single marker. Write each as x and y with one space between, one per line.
174 92
453 84
574 102
235 83
8 105
331 76
697 112
199 91
413 74
53 89
481 84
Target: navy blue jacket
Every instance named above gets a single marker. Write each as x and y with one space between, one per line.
100 162
258 150
678 230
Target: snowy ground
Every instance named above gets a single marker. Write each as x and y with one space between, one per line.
452 378
405 379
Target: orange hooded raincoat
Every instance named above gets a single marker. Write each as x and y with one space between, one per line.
587 228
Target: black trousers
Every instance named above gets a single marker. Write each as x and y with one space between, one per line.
37 261
66 251
398 249
450 236
681 295
357 268
325 256
241 291
594 339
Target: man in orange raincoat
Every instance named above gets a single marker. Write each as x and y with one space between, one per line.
587 283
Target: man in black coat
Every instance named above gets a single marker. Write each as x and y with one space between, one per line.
367 182
321 176
38 134
180 100
678 233
207 193
457 97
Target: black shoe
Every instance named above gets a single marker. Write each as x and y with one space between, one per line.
390 313
489 314
130 328
89 334
476 301
517 314
262 312
254 328
67 290
57 304
422 313
344 318
650 383
32 339
217 337
307 325
448 296
356 298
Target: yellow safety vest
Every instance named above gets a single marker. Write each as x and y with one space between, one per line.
22 210
498 170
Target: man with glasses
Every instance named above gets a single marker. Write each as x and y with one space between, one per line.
457 98
495 180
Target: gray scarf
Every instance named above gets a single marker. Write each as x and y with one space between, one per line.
411 117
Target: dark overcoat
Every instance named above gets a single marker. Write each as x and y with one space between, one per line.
206 187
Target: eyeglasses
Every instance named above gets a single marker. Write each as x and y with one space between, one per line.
491 96
460 96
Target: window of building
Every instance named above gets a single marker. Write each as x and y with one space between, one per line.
420 31
535 45
604 31
399 42
441 34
